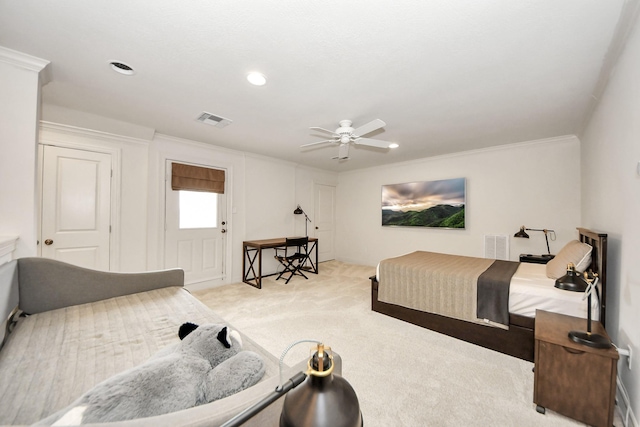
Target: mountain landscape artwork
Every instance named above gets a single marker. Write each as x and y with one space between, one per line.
439 204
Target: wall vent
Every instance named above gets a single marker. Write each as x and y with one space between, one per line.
496 246
213 120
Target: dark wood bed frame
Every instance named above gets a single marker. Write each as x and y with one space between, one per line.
518 340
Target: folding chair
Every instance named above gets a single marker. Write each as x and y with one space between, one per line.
292 256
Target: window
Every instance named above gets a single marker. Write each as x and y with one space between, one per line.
198 209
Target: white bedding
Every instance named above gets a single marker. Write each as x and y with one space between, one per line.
532 290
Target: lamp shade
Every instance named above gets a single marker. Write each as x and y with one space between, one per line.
324 399
572 281
298 211
521 233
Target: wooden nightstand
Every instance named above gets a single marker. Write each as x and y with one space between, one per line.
536 259
570 378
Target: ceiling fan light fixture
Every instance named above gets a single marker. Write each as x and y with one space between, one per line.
257 79
346 135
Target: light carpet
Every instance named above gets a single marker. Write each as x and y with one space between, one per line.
403 375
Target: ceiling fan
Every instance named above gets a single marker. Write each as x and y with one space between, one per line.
345 135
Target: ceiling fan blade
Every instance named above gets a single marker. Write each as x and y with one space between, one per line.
317 142
369 127
323 130
372 142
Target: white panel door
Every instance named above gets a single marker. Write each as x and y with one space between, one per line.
325 204
76 205
195 230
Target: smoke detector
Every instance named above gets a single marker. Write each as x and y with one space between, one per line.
213 120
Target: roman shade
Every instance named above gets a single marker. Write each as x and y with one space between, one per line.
196 178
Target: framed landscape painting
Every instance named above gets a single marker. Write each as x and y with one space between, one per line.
439 204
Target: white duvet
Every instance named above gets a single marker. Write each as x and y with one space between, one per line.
531 289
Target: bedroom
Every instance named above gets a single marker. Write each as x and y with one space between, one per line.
597 170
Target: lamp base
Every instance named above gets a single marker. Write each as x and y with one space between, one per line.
589 339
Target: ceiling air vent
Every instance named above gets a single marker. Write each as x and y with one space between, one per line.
212 120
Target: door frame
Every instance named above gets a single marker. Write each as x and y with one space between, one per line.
165 174
84 140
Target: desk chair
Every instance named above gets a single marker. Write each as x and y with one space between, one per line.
292 256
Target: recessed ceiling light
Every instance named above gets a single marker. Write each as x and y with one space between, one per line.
122 68
257 79
393 145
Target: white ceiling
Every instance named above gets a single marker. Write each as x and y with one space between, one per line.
445 75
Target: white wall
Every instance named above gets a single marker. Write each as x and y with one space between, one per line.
535 184
269 198
19 109
611 201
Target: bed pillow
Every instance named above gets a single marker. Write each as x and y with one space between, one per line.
576 252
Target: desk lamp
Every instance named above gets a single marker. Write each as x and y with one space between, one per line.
575 282
323 399
546 231
299 211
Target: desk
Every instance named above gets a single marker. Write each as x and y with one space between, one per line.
252 252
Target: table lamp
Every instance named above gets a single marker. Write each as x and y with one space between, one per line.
323 399
575 282
299 211
523 233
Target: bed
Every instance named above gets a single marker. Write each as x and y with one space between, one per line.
516 336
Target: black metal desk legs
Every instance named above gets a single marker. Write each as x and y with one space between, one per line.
249 274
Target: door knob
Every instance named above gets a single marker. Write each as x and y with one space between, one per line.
223 231
48 242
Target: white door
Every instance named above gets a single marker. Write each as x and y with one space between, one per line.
195 228
325 203
76 205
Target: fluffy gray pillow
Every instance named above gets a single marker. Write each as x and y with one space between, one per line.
574 252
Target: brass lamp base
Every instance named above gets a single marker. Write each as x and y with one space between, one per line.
589 339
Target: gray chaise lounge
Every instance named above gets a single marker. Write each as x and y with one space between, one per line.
85 326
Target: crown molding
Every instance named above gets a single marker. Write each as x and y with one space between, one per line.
500 147
22 60
63 129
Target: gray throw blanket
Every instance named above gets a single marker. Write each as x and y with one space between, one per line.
493 291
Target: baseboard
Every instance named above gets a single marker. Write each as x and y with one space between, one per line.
623 406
